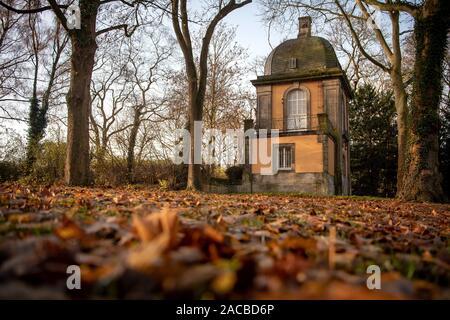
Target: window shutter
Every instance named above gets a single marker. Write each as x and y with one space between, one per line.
331 100
264 118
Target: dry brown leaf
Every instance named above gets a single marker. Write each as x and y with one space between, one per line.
332 249
213 234
69 230
164 223
224 282
158 232
20 218
290 262
145 255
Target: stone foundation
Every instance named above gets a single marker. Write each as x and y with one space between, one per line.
309 183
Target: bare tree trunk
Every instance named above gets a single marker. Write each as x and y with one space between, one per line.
130 155
422 179
195 114
400 98
79 96
78 104
132 145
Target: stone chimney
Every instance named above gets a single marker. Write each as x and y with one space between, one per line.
304 27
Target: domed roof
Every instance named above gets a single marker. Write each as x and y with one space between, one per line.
304 58
301 55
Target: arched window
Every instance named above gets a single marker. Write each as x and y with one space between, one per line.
296 110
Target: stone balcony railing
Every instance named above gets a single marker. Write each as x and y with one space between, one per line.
296 123
313 123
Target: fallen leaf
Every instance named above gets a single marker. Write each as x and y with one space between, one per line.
69 230
153 225
224 282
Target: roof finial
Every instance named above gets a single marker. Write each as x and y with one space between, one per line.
304 27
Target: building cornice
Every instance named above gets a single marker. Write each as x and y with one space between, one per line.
312 75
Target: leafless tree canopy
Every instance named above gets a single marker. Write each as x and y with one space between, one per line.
138 69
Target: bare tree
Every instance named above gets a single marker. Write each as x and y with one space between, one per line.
197 78
144 71
227 97
84 46
357 67
110 92
14 56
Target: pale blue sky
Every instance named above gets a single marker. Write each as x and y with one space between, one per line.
251 32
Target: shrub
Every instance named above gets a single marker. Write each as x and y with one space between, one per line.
113 171
164 184
10 170
49 165
109 171
234 174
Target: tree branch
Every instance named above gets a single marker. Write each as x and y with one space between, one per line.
223 12
181 37
28 11
128 33
177 28
378 34
395 6
59 14
358 42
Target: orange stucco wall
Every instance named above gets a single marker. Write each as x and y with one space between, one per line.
316 97
308 153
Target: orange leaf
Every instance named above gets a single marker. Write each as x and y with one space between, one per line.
164 223
213 234
69 230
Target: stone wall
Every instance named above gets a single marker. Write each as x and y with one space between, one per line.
310 183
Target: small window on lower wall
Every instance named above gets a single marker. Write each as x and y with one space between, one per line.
286 156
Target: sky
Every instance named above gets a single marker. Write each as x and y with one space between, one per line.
251 32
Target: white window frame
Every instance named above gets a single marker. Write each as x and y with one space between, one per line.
286 157
296 110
